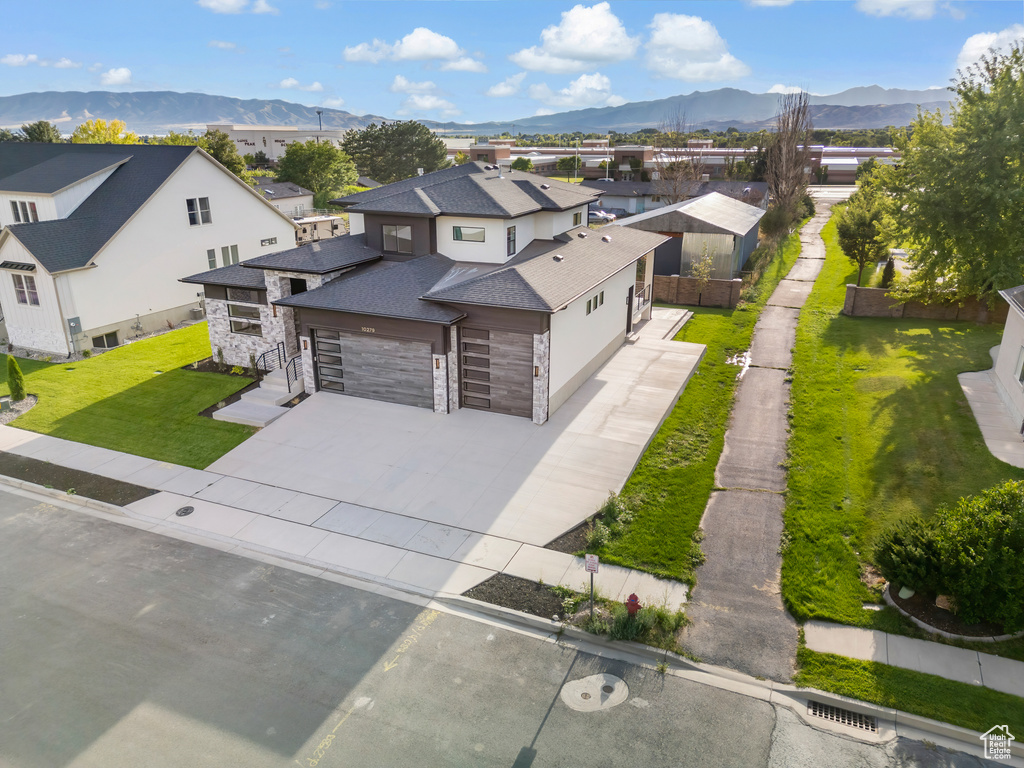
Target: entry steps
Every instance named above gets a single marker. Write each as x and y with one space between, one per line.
261 406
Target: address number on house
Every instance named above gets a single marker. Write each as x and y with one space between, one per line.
367 329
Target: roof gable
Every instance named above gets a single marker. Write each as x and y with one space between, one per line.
61 171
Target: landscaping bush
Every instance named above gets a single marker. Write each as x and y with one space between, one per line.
888 273
775 223
805 208
15 380
907 555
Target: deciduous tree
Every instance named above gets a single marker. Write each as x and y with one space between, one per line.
320 167
859 234
395 151
101 132
461 158
522 164
42 131
787 155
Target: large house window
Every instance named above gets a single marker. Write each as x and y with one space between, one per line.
397 238
245 319
577 219
229 255
198 211
25 290
510 240
469 234
24 212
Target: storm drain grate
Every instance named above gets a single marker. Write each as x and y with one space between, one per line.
842 716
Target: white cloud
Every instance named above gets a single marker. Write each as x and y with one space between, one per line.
585 91
223 6
507 87
321 5
689 48
370 53
465 64
583 38
290 83
66 63
426 102
404 85
780 88
116 76
223 45
335 102
96 67
19 59
422 44
262 6
910 9
978 45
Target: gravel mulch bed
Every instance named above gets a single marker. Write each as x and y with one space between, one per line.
922 606
18 408
64 479
572 541
518 594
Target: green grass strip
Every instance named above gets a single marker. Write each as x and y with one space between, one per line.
880 431
670 487
968 706
135 399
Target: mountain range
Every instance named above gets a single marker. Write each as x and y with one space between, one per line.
156 112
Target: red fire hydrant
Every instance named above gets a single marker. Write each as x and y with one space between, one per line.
633 605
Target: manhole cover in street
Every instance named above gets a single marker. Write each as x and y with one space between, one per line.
184 511
593 693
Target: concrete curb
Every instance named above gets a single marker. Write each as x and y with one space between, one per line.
53 493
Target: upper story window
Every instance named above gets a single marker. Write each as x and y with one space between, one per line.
25 290
577 219
229 255
24 211
510 240
198 211
469 234
397 238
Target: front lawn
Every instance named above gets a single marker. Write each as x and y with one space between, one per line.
670 487
880 431
135 399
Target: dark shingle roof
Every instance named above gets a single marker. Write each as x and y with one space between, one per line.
72 242
471 189
319 258
535 280
277 190
234 276
62 171
386 288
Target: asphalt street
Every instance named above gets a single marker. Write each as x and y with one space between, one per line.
122 647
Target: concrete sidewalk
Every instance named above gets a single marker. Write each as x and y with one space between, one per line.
948 661
998 427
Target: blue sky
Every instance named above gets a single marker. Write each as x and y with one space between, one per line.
473 61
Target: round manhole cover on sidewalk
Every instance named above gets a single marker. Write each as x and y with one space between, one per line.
185 511
590 694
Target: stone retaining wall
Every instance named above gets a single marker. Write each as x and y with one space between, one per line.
872 302
686 290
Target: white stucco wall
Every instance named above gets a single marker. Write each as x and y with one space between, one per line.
138 272
524 232
39 327
1006 368
580 343
356 224
491 251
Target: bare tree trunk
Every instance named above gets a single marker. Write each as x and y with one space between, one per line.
679 166
788 155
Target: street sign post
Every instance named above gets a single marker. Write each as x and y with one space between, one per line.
591 564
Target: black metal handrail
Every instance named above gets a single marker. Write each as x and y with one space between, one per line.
291 372
272 359
643 298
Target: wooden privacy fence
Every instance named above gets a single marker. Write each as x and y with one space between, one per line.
672 289
872 302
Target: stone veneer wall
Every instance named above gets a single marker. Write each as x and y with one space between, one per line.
453 371
542 362
873 302
686 290
236 346
306 351
439 372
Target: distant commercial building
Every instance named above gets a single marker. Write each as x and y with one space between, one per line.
273 140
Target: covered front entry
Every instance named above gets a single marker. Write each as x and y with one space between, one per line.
374 367
496 371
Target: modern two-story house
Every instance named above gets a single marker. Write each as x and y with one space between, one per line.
469 287
94 238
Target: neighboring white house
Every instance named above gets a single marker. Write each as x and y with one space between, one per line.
469 287
297 202
1009 367
96 236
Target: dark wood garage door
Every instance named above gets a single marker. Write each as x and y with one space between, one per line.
374 367
497 371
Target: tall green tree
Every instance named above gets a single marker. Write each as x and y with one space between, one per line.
959 193
859 233
522 164
15 379
569 163
395 151
101 132
42 131
224 150
6 134
461 158
321 168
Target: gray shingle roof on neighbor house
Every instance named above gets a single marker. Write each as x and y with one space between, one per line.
386 289
710 213
472 189
327 255
71 243
279 190
738 190
537 280
233 276
62 171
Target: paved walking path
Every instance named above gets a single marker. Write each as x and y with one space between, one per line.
736 610
999 428
950 662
